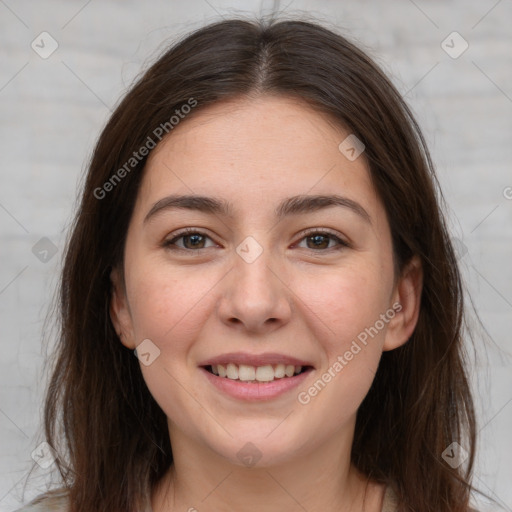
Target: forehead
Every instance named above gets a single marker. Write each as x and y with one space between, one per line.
266 148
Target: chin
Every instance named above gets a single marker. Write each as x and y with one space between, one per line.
261 450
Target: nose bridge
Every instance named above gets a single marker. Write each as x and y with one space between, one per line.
254 296
255 276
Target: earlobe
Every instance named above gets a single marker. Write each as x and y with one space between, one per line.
119 310
408 295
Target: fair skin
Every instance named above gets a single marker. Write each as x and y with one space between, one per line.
303 297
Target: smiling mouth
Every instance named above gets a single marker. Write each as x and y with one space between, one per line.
256 374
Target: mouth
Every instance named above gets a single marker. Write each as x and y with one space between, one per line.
255 377
256 374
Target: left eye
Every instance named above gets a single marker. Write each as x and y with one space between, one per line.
320 240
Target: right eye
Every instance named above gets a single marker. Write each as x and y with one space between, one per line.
189 239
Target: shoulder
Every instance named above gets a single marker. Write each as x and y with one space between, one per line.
52 501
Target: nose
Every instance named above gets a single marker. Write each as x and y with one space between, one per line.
255 297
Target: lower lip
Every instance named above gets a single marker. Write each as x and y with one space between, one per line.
255 391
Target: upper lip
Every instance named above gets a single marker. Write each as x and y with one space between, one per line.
268 358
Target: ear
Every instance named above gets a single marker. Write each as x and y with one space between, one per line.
120 311
406 304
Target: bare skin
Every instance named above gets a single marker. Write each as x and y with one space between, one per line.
322 278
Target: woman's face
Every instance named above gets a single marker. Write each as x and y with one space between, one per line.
286 262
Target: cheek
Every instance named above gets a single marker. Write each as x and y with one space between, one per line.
343 313
345 309
345 302
168 308
171 311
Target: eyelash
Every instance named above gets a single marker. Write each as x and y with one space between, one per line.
171 244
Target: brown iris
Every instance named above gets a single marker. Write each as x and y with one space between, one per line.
318 241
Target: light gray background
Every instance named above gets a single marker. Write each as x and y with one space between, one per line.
53 109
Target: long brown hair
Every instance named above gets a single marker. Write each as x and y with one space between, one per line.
111 436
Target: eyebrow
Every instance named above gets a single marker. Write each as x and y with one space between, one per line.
291 206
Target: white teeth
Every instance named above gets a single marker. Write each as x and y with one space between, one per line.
248 373
279 371
232 371
265 373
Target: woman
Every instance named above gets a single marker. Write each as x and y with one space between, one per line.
260 226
